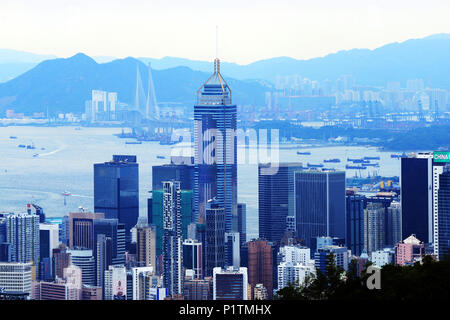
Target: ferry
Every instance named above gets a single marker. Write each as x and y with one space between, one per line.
306 153
160 157
360 161
398 156
355 160
332 160
310 165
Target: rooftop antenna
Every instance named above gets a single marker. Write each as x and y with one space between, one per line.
217 42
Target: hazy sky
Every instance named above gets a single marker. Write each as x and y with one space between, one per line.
248 30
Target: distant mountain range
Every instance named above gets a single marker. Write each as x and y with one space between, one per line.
63 85
427 58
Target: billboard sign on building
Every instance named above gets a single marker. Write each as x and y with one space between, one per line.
441 156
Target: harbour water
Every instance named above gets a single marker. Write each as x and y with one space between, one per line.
63 160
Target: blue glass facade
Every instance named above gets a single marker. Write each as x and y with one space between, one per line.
444 215
116 191
320 204
355 223
215 149
415 196
276 199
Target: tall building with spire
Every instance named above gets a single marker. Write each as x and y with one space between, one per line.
215 149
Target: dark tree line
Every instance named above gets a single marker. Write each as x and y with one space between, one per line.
429 280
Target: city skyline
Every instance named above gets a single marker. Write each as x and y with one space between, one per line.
298 29
326 179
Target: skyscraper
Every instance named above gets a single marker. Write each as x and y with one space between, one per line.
103 257
115 231
84 259
215 149
22 232
416 196
320 204
48 240
374 227
157 212
355 223
61 260
242 223
179 172
193 257
81 229
215 237
232 249
116 190
393 224
276 198
172 239
443 226
260 264
146 245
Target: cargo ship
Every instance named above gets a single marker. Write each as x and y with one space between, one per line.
332 160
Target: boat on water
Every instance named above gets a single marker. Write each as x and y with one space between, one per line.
133 142
66 193
355 167
160 157
306 153
398 156
31 146
310 165
332 160
360 161
35 155
12 137
372 158
22 146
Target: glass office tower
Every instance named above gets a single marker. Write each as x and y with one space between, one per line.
116 190
215 149
320 204
276 199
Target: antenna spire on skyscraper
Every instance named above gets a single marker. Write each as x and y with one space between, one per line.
217 42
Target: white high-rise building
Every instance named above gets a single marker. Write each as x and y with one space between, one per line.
295 254
172 238
294 273
16 276
22 231
138 274
116 283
